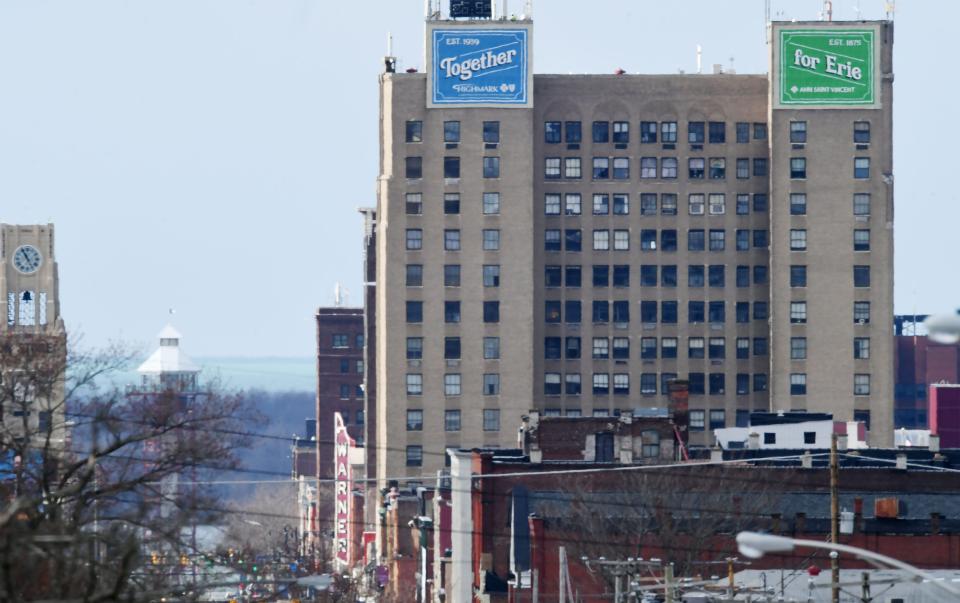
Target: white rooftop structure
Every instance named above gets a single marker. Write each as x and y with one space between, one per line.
168 365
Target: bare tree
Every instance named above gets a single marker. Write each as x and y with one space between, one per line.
98 485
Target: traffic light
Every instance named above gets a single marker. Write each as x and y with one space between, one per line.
184 560
254 568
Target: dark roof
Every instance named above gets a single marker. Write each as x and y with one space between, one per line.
783 418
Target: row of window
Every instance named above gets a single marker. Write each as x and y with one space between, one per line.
618 168
342 340
861 132
451 167
452 239
698 239
451 420
345 365
451 131
697 204
345 415
698 275
861 312
651 348
651 312
490 205
346 389
799 348
798 384
451 275
452 349
618 132
451 311
714 384
452 384
798 168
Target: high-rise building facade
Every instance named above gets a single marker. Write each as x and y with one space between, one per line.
573 243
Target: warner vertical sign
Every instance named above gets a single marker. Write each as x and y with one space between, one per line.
343 486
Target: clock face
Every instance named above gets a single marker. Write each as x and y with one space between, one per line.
27 259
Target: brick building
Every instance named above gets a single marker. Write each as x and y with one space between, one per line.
919 363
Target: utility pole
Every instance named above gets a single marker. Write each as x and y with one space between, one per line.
732 586
668 583
834 519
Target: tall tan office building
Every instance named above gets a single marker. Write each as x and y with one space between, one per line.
572 243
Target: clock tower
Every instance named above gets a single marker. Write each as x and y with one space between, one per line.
29 282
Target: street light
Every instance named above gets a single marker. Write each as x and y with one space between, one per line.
756 545
944 328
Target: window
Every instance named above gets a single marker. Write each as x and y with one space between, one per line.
798 348
650 439
861 313
414 311
861 132
717 311
798 239
861 276
601 168
743 276
414 456
451 420
491 311
573 131
344 392
742 310
718 417
451 167
621 384
414 420
743 387
414 204
798 131
621 311
669 167
601 276
451 131
551 204
668 275
572 167
451 275
668 131
451 203
414 384
760 167
695 203
798 312
601 240
553 276
572 347
491 132
621 132
668 239
861 167
695 347
414 348
648 348
451 239
798 276
491 239
491 348
718 168
769 438
798 204
601 383
695 168
717 275
491 384
809 437
743 168
621 275
414 131
451 311
414 238
572 384
668 347
668 204
798 168
648 311
451 348
861 240
648 132
697 420
760 238
572 204
861 204
760 202
743 132
551 168
759 131
648 167
743 240
551 132
552 311
359 417
572 308
414 275
491 204
621 205
491 419
718 132
717 240
861 348
551 348
648 239
551 384
601 131
743 348
717 348
451 384
695 132
491 167
861 385
759 382
601 205
621 240
718 204
601 348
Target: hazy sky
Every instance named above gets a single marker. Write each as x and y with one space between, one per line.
209 155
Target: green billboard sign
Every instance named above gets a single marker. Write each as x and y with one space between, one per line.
827 67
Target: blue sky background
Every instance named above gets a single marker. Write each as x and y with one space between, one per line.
209 155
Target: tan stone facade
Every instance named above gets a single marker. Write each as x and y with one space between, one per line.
656 247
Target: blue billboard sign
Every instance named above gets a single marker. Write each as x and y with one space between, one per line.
479 67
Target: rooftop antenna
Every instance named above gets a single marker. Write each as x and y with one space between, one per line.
766 21
528 9
856 9
890 8
390 61
828 9
699 59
